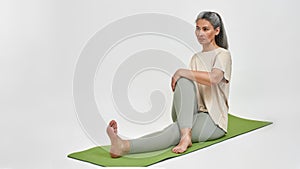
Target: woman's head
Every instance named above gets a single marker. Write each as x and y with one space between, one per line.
209 27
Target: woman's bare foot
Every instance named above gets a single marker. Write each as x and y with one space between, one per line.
118 147
185 141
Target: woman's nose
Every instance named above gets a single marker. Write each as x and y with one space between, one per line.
199 33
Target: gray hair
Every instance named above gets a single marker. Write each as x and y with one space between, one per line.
216 21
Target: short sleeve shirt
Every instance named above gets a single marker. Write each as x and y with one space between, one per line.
214 99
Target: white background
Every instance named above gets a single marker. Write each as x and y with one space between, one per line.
40 42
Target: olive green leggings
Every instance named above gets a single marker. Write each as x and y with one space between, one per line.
184 115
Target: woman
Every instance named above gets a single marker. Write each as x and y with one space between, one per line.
200 100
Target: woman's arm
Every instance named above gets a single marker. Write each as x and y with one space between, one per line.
205 78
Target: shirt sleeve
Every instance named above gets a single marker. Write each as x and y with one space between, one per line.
193 63
223 62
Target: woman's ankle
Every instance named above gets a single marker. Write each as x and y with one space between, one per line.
186 132
126 146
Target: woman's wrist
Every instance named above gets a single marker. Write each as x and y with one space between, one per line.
184 73
181 72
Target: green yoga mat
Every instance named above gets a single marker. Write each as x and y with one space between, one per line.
100 155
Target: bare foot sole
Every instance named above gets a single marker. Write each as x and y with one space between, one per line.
183 145
118 146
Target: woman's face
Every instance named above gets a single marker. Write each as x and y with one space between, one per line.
205 32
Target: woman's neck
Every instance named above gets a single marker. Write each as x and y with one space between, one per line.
209 47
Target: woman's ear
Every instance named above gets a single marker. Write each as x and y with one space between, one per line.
217 30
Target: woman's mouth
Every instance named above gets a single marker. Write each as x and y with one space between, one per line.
201 39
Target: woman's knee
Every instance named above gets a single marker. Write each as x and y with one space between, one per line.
174 133
218 133
205 129
184 82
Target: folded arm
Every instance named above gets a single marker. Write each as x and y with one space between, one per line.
205 78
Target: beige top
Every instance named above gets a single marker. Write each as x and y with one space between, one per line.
214 99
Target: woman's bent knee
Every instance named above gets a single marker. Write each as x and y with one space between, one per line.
184 82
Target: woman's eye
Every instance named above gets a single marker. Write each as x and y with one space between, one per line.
205 29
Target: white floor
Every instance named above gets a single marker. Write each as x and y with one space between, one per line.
41 41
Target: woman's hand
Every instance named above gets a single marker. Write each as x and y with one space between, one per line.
175 77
